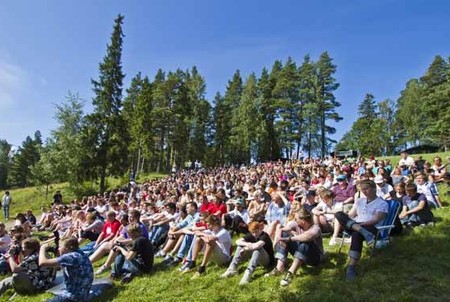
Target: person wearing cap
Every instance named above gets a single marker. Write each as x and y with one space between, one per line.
257 246
309 200
237 219
383 189
344 192
367 213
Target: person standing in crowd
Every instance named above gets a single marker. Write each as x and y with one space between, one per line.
77 270
6 203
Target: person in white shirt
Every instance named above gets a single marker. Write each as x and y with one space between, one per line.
361 222
406 160
383 189
216 243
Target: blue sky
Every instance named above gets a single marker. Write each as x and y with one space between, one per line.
48 48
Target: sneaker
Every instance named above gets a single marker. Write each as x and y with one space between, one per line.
187 266
160 254
113 276
101 270
229 273
287 279
332 241
174 262
350 275
197 274
273 273
127 278
246 278
167 260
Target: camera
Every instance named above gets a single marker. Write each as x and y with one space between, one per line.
15 249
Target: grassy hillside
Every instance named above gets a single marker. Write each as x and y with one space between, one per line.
35 197
414 268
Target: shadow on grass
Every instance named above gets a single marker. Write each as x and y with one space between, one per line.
413 268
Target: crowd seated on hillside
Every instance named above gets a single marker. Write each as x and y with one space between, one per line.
275 210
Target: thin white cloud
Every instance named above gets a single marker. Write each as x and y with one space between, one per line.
12 79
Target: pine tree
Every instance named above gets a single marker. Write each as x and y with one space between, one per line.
5 149
326 100
105 126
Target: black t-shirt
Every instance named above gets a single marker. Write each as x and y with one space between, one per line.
268 245
144 253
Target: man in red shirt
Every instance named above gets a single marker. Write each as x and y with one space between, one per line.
109 231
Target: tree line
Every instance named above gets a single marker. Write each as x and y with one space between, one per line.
167 120
421 115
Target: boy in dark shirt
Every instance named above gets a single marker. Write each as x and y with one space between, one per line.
137 260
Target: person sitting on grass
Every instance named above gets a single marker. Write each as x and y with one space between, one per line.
103 243
216 242
183 229
366 213
133 261
303 240
323 214
28 277
257 246
426 188
415 210
77 270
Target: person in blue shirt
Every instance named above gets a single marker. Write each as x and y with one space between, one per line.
77 270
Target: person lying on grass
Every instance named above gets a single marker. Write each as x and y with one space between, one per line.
257 246
302 239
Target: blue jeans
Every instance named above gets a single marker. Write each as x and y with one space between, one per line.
185 245
59 299
123 266
158 232
308 252
6 211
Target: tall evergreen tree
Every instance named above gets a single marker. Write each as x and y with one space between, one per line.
326 100
26 156
231 101
5 149
106 128
268 148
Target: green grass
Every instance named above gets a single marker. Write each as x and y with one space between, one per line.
427 156
35 197
415 267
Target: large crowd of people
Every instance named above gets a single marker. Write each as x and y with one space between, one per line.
276 212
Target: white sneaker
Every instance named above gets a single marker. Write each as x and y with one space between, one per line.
160 254
246 278
101 270
229 273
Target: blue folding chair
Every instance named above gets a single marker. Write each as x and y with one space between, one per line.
382 237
